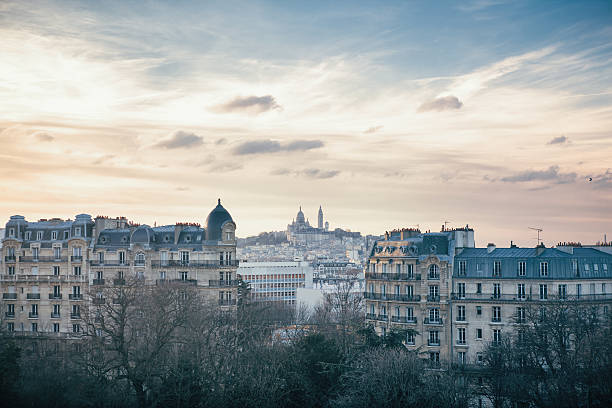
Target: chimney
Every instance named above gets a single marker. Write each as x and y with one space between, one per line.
512 245
490 247
540 248
178 228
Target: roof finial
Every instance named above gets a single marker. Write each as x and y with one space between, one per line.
300 208
219 201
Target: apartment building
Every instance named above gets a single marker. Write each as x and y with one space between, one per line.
492 288
53 269
409 283
276 281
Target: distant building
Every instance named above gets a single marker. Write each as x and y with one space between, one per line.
300 232
276 281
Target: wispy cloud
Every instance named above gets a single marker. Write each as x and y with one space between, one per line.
44 137
558 140
273 146
311 173
181 139
603 180
373 129
251 104
551 174
441 104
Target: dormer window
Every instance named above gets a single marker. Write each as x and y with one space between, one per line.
28 235
77 231
188 238
139 260
66 234
166 238
228 236
11 232
53 235
39 236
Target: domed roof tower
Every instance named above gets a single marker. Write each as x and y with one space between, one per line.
300 217
215 221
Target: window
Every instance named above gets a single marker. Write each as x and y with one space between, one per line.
478 310
384 267
496 314
56 270
139 260
10 310
521 313
76 252
410 338
28 235
496 268
410 270
479 288
461 357
462 268
409 313
185 258
461 290
434 338
578 290
76 328
34 327
543 268
228 236
461 313
162 275
409 291
34 310
56 311
586 267
595 267
480 360
35 253
520 291
434 315
562 291
371 288
398 269
383 290
522 268
10 270
496 335
10 327
54 235
603 288
66 234
434 293
543 292
397 290
496 291
76 311
57 252
122 258
575 267
184 275
56 327
77 231
461 335
57 293
434 272
434 357
605 267
11 235
77 270
383 311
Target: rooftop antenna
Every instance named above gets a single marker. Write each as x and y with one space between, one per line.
446 222
539 230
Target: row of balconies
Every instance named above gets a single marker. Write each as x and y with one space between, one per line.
43 278
168 263
392 276
73 258
526 298
32 315
392 297
36 296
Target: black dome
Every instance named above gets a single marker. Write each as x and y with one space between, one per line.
215 221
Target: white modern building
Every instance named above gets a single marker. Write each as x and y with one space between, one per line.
276 281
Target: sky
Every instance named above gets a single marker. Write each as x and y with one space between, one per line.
496 114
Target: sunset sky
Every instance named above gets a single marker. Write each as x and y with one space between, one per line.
388 114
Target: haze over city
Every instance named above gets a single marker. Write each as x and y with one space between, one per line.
490 113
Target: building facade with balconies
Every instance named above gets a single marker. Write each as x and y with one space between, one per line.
53 269
494 287
408 286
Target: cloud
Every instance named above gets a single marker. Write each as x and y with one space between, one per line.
319 174
280 172
224 167
182 189
272 146
44 137
103 159
373 129
550 174
441 104
603 180
252 104
221 141
181 139
558 140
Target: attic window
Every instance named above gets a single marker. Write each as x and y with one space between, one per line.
199 238
124 239
103 240
166 238
188 238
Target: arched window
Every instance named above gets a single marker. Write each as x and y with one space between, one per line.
434 272
139 260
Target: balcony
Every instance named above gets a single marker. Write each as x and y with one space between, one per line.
76 258
118 281
433 276
461 343
433 298
98 262
399 298
431 342
435 322
98 301
75 296
496 320
98 282
227 302
42 259
53 296
392 276
222 283
55 315
33 296
185 281
33 315
139 263
9 258
382 317
371 316
491 296
404 319
193 264
9 315
75 315
9 296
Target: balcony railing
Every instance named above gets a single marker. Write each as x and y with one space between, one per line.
76 258
98 262
55 315
139 263
404 319
42 259
388 296
496 320
222 283
9 258
75 296
98 282
490 296
55 296
193 264
33 315
10 315
382 317
42 278
461 342
437 322
392 276
371 316
185 281
433 298
227 302
9 296
75 315
33 296
433 276
431 342
118 281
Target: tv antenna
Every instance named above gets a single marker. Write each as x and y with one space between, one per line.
539 230
446 222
